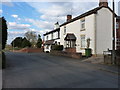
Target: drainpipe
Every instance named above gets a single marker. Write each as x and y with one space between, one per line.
95 33
113 42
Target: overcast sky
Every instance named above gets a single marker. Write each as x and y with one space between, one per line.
39 16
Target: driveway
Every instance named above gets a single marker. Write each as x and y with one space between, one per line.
42 70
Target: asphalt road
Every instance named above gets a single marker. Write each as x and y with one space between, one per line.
42 70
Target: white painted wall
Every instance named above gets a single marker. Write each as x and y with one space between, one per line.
55 36
98 27
75 27
103 30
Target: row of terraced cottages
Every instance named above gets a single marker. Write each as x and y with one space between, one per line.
95 24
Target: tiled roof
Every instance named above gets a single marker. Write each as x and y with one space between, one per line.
49 42
58 29
70 36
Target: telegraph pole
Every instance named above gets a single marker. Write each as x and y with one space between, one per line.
113 42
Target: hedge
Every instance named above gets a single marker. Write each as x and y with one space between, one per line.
57 47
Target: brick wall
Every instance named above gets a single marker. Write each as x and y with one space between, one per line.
70 50
30 50
67 54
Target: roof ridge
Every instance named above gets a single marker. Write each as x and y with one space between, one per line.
94 10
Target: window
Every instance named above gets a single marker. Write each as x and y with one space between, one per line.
47 37
52 36
58 34
83 23
117 25
64 29
58 43
82 41
47 46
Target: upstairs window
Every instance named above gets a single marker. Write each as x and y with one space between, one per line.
47 37
83 23
58 34
64 29
52 36
117 25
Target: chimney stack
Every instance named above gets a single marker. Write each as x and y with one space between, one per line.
56 26
69 17
103 3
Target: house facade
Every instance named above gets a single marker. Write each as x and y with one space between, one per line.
95 25
52 38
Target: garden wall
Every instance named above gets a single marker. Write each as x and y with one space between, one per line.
67 54
30 50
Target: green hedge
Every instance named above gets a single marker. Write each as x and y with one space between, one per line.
57 47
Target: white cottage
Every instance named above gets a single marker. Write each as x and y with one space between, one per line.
51 38
95 24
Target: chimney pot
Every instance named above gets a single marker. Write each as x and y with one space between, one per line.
69 17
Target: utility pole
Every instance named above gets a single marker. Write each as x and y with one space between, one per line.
113 42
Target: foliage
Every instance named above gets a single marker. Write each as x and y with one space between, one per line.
26 43
31 36
4 32
39 42
88 42
57 47
20 42
17 42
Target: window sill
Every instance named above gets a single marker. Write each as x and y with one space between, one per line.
82 29
82 48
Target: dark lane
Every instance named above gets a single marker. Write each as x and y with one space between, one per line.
41 70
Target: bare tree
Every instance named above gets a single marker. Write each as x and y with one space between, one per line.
32 37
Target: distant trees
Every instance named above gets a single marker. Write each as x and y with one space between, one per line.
20 42
3 28
26 43
39 42
31 36
17 42
29 40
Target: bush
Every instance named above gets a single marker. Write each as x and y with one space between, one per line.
26 43
57 47
3 60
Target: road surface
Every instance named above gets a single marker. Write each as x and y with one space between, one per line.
42 70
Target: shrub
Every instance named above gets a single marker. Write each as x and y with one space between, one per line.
26 43
3 60
57 47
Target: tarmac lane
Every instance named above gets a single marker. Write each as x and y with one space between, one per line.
42 70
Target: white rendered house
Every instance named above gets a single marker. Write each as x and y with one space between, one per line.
51 38
95 24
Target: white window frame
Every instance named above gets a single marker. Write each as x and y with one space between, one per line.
82 37
83 23
47 37
117 25
64 30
